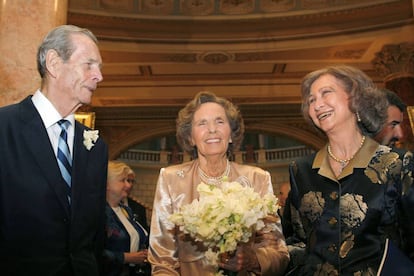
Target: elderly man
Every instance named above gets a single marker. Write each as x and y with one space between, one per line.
52 168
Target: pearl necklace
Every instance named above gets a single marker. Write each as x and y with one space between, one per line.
214 180
343 162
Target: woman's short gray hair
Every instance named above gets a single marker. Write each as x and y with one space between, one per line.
186 115
364 97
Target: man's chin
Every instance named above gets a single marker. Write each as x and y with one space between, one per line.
86 101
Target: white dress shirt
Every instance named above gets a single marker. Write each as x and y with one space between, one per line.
50 116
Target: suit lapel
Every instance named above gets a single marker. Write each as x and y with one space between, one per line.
79 165
37 142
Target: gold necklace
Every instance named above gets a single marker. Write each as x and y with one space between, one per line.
214 180
343 162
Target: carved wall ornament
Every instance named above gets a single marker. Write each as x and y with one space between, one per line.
197 7
179 8
157 6
315 3
237 6
119 5
277 5
242 57
395 60
184 58
216 57
350 54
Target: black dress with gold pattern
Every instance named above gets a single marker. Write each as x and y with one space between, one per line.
339 225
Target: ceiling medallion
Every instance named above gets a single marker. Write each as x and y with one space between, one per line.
216 58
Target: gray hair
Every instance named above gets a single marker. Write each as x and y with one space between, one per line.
59 39
365 99
185 119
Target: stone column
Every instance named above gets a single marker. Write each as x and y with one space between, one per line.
261 141
23 24
396 64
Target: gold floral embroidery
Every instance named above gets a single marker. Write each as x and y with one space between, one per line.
312 205
346 246
384 163
371 174
326 269
353 209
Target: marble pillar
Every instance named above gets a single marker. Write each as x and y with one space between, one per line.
396 64
23 24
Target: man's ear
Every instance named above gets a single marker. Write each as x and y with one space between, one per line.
53 62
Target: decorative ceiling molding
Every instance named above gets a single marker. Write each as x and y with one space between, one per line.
308 18
158 54
211 9
395 60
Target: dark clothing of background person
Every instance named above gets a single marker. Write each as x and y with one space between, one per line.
139 212
117 241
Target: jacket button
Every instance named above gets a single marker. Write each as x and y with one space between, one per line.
332 248
332 221
334 195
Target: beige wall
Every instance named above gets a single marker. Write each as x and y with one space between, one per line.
23 24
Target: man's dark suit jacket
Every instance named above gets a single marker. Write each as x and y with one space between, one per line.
40 233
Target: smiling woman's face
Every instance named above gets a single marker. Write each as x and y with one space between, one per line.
211 131
329 104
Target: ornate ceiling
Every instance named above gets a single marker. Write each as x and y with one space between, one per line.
159 53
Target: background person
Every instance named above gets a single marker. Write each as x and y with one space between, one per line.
126 240
345 200
209 127
138 210
282 196
392 131
284 189
51 225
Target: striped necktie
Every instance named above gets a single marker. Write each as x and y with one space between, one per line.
63 154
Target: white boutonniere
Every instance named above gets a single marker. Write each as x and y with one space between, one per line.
89 138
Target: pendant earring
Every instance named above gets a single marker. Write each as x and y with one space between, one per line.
358 117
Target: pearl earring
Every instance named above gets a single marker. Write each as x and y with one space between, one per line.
358 117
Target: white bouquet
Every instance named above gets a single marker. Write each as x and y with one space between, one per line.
224 216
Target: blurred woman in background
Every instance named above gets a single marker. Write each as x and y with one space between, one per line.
126 240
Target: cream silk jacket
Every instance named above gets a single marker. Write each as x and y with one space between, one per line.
172 253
